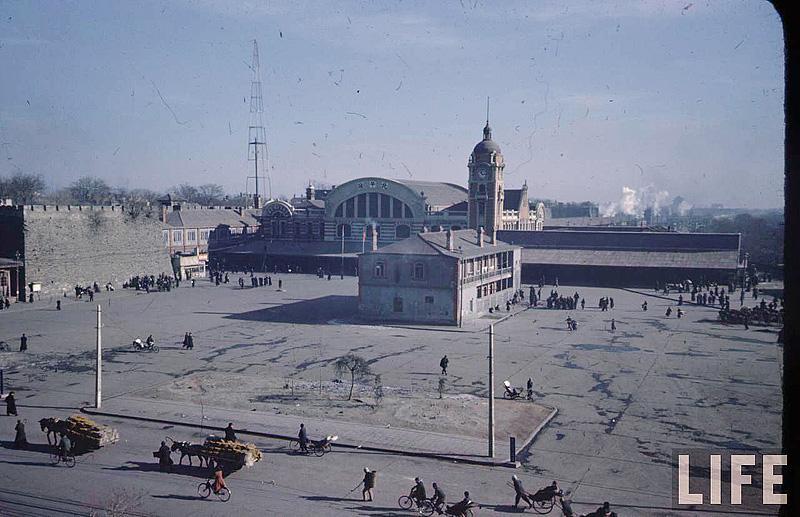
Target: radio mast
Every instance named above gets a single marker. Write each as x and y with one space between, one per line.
256 134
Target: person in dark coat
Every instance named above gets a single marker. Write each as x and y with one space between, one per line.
23 343
530 388
11 404
186 340
520 493
369 483
20 440
302 437
230 435
443 363
438 499
190 341
164 458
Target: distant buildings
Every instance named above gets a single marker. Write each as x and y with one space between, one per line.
442 277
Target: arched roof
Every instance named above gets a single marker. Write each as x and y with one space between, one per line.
374 185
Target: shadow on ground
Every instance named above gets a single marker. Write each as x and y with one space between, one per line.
313 312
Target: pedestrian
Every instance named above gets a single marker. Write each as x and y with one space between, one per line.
369 483
23 343
611 302
583 303
192 282
20 440
58 305
230 434
302 437
520 493
530 389
280 284
613 325
443 363
164 458
190 341
669 312
11 404
680 313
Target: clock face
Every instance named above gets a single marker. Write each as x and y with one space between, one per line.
483 170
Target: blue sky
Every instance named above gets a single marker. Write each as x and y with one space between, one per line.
587 97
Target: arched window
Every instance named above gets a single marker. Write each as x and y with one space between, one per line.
418 271
343 228
373 205
481 189
403 231
380 269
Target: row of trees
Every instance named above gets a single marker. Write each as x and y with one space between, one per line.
89 190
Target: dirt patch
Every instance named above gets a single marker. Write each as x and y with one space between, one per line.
464 415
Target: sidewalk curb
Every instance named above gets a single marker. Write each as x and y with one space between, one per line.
527 443
455 459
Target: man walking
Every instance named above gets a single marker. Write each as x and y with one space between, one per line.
529 395
443 363
520 493
23 343
369 484
11 404
302 437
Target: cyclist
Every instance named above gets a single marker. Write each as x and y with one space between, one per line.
418 491
603 511
546 493
64 446
219 480
438 498
150 341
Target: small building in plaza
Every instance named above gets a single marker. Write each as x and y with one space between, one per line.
445 277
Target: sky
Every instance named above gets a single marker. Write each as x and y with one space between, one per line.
586 98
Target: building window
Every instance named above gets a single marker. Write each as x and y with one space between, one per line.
403 231
191 235
362 205
480 292
204 235
385 206
380 270
482 189
373 205
398 304
343 228
309 230
350 207
397 208
177 236
418 273
429 299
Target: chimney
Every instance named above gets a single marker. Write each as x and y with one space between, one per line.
480 236
494 237
450 240
374 237
164 213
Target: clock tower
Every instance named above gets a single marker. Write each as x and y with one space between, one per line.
486 184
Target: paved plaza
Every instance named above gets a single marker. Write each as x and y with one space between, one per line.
625 400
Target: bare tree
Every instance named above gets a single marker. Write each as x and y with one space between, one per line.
186 191
22 188
210 194
355 365
91 190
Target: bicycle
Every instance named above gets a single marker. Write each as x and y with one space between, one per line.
205 489
67 459
425 507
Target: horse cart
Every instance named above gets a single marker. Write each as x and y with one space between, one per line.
84 433
231 454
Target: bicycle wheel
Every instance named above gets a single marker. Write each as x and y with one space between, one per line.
294 445
55 458
543 507
204 490
468 513
155 349
328 448
224 494
69 460
405 502
426 507
319 451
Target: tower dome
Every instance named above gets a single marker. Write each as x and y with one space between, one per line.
487 145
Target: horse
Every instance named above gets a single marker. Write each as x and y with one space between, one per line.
189 449
53 425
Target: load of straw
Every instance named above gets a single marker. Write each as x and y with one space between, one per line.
87 434
235 453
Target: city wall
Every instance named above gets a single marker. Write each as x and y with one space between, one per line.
68 245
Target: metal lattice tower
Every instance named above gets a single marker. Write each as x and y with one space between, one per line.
256 134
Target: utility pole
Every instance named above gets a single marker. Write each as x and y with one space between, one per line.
98 387
491 391
256 134
341 277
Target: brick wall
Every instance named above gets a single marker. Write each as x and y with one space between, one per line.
69 245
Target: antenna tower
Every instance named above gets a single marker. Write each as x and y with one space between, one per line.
256 134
